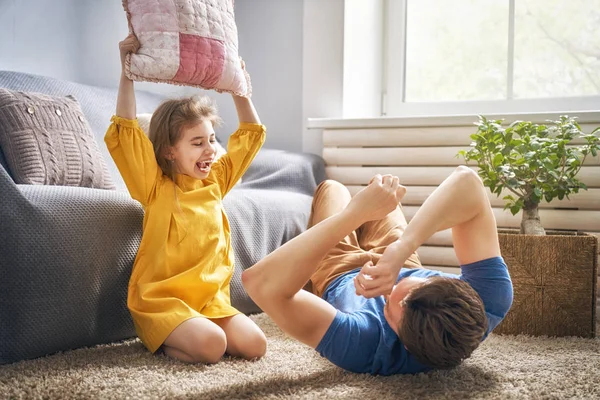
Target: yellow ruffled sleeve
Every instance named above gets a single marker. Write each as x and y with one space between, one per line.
242 147
133 154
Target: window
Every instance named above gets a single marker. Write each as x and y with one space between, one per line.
491 56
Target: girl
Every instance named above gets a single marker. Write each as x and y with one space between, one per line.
179 287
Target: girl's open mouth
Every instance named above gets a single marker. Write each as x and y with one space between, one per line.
204 166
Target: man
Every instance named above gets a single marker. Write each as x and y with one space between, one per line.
369 314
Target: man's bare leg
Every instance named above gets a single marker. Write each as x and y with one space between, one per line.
332 197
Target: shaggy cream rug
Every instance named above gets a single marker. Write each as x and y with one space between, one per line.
504 367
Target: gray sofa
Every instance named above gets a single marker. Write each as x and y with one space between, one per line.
66 252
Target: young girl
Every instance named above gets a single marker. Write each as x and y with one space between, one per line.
179 287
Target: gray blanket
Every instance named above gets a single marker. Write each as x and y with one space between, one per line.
66 252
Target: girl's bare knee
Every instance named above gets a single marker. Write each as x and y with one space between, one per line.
256 346
208 347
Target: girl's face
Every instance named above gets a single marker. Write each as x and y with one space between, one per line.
195 152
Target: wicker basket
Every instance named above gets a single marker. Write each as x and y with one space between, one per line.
554 279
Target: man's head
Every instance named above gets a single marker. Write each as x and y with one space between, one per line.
439 320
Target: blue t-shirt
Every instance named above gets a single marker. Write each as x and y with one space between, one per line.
360 339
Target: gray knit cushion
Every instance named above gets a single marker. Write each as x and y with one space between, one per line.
46 140
3 160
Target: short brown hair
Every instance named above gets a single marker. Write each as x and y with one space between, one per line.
444 321
171 117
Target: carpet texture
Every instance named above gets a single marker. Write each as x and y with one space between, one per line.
504 367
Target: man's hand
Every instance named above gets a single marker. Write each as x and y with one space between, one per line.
378 199
378 280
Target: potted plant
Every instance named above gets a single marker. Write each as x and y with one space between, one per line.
554 274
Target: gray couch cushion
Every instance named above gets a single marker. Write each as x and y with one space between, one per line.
46 140
3 161
65 258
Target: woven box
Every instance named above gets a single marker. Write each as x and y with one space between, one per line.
554 279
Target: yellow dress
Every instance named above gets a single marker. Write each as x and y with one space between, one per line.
185 260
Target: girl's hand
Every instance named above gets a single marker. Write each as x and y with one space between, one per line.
244 106
128 45
243 67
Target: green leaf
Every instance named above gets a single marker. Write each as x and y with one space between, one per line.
515 209
498 159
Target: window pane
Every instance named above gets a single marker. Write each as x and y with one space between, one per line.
557 48
456 50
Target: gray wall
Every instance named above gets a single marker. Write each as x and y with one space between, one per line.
78 40
270 36
40 36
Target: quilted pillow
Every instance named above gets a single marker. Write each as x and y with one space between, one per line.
46 140
186 42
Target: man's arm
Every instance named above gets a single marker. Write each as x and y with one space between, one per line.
275 283
460 203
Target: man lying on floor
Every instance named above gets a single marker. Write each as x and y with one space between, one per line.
374 308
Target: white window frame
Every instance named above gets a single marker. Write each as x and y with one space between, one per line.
394 75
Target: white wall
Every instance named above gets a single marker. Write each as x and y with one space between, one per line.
363 58
40 37
323 62
343 54
270 40
78 40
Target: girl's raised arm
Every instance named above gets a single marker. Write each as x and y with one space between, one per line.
245 110
126 97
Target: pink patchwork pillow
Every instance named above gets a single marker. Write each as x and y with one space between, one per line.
186 42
